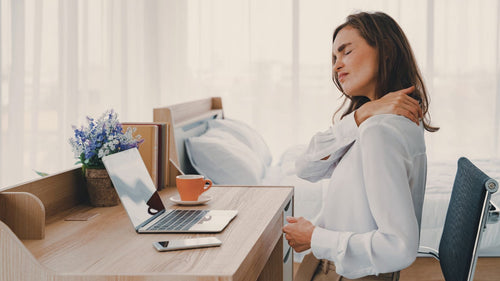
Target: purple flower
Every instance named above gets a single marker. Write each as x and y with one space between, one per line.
101 137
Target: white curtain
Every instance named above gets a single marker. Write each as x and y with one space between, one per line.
61 60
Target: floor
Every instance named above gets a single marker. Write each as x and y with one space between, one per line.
487 269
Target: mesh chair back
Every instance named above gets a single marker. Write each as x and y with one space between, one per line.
458 241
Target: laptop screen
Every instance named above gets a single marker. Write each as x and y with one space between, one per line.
134 185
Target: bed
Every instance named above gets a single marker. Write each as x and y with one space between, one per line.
202 140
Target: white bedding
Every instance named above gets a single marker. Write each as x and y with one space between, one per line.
440 177
307 195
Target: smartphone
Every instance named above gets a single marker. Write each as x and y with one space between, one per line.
192 243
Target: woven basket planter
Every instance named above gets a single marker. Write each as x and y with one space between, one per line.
101 191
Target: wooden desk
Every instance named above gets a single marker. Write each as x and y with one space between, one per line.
108 248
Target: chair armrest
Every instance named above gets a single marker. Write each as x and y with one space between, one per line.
493 214
428 251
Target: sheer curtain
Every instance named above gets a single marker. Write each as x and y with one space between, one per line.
61 60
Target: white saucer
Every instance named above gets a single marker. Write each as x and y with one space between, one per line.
201 200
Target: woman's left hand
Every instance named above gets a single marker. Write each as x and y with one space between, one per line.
298 232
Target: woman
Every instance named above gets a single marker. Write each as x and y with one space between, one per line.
374 156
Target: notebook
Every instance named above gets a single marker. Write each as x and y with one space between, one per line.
144 207
153 149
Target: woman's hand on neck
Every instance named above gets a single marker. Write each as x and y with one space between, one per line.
399 103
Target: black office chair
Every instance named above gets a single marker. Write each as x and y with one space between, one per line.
468 212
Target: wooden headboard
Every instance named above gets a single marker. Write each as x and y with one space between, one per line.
185 120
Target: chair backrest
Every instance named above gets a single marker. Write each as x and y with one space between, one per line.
465 220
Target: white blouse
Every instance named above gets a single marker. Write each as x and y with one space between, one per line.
370 221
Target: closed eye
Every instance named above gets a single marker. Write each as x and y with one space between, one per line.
348 52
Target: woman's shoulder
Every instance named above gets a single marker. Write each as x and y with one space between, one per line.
394 128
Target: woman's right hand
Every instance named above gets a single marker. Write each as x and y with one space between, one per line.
399 103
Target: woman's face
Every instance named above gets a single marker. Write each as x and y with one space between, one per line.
355 63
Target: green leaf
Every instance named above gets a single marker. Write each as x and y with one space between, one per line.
42 174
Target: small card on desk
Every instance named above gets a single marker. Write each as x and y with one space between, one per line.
81 217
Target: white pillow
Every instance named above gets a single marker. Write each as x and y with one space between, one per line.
246 135
221 157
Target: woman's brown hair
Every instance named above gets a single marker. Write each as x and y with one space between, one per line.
397 67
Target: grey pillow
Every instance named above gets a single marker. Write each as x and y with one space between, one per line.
246 135
221 157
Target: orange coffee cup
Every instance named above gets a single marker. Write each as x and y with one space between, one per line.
190 187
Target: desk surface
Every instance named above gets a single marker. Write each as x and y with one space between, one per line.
108 245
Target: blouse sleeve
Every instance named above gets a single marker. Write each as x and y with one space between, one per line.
334 142
393 246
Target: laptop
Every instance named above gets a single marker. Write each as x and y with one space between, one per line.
144 206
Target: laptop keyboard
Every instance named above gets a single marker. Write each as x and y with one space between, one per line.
179 220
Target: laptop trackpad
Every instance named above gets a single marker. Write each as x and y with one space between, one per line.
214 220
